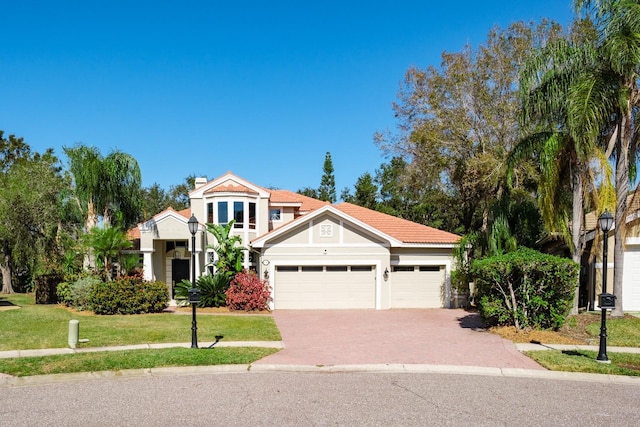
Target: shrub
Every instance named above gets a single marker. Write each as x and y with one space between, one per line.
77 293
213 290
247 292
525 289
129 295
63 290
81 292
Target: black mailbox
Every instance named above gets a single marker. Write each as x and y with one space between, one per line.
607 301
194 296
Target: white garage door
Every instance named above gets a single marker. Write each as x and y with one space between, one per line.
324 287
417 287
631 279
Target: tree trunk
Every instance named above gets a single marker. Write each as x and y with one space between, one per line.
5 270
622 191
576 228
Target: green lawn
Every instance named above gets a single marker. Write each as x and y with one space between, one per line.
585 361
131 359
47 326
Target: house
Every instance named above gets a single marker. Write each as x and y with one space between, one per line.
591 270
315 255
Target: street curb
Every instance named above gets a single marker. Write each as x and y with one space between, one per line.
9 381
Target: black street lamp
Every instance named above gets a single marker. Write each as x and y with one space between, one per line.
605 221
194 293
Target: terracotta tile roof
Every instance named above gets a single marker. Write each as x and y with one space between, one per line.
133 233
286 196
185 212
401 229
230 189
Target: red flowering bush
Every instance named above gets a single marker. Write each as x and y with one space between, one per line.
247 292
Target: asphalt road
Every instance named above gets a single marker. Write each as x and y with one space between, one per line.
320 399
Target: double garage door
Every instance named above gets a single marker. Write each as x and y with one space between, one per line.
325 287
342 287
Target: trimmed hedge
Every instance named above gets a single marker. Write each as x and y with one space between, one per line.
525 289
129 295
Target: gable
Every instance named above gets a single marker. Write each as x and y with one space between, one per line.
327 229
228 184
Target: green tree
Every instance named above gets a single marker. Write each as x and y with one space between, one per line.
31 188
154 200
458 122
566 153
611 99
327 190
309 192
366 194
227 247
107 244
105 184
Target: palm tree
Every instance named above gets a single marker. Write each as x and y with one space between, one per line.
565 152
85 164
611 99
105 184
107 243
227 246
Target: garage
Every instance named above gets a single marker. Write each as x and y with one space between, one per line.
417 286
324 287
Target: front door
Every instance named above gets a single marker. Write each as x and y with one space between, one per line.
179 272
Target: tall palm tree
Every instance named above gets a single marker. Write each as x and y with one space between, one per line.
106 185
565 152
611 100
85 164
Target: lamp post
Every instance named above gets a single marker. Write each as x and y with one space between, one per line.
194 293
605 221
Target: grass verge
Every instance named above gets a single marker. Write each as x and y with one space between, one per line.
132 359
46 326
585 361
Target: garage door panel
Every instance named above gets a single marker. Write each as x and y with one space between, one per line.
631 280
417 289
324 290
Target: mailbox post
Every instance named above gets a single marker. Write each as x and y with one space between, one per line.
606 300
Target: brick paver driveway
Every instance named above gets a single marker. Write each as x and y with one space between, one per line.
411 336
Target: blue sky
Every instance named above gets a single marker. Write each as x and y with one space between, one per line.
262 89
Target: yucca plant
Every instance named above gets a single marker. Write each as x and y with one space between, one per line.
212 288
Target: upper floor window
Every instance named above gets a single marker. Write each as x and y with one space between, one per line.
210 213
223 213
275 214
238 214
252 215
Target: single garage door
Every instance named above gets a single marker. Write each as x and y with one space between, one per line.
324 287
417 287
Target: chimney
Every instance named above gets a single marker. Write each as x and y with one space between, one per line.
199 182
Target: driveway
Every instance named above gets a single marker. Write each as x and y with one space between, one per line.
411 336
